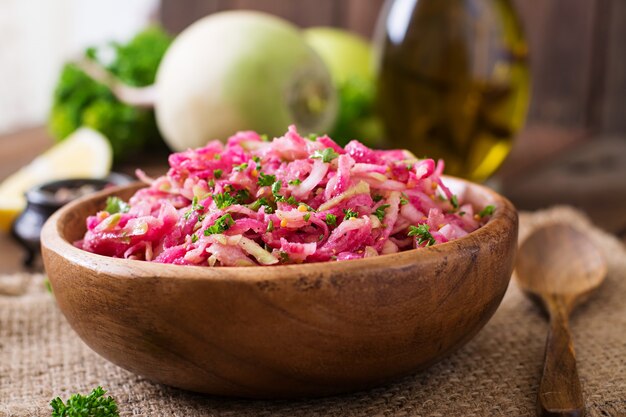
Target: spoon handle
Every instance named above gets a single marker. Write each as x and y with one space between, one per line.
560 393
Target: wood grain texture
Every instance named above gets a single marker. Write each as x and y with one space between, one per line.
561 267
614 109
287 331
560 35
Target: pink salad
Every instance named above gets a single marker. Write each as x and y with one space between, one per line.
290 200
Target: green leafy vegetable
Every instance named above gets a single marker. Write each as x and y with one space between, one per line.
194 238
380 212
79 101
306 217
404 200
326 155
295 182
194 207
454 201
220 225
487 211
276 188
116 205
422 232
223 200
266 180
270 226
92 405
349 214
218 174
377 198
331 219
240 167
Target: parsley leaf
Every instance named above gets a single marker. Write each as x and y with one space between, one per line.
295 182
240 167
377 198
276 188
270 226
194 207
422 232
94 405
220 225
331 219
313 137
487 211
326 155
194 238
266 180
223 200
349 214
116 205
306 217
217 174
380 212
404 200
455 202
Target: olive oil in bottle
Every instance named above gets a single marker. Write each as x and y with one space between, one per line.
453 81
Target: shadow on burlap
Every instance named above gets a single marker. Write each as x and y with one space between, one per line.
496 374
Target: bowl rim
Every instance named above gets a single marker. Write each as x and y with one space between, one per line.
504 217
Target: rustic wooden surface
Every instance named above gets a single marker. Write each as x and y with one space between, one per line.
562 267
317 331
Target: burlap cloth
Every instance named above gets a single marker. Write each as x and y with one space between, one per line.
496 374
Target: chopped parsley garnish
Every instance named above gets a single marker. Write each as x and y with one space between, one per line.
276 187
194 207
242 196
265 138
258 203
223 200
266 180
194 238
284 256
404 200
313 137
270 226
217 156
306 217
211 183
116 205
487 211
461 213
326 155
291 200
380 212
240 167
409 167
349 214
422 232
220 225
455 202
331 219
217 174
295 182
377 198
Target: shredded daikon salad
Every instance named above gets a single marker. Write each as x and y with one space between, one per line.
290 200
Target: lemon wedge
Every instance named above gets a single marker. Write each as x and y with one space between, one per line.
84 154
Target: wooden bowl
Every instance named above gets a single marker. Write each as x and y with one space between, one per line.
283 331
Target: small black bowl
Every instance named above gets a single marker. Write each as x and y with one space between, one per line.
43 200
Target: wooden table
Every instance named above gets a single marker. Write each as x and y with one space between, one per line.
548 166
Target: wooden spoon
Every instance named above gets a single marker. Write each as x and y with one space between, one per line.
561 267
